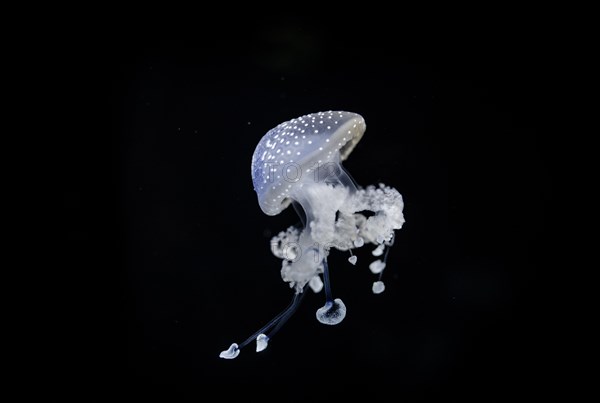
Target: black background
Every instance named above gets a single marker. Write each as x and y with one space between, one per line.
180 247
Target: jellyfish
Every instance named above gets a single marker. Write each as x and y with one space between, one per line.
299 163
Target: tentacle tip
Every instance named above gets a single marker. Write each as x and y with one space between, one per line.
378 251
232 352
316 284
353 259
378 287
377 266
262 342
332 313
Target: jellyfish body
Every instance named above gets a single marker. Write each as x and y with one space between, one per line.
300 162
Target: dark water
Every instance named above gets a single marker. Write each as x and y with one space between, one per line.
453 124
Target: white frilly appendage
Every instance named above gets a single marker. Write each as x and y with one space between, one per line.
334 219
337 221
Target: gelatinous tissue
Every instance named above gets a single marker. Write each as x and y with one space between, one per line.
299 162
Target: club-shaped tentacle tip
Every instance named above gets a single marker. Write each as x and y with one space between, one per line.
377 266
378 287
262 342
332 313
232 352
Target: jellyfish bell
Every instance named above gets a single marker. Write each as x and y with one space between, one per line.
300 162
303 150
